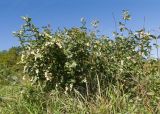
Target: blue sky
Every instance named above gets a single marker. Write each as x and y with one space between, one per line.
67 13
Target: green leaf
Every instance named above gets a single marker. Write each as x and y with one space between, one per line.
150 93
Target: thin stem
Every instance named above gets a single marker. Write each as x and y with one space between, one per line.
115 23
157 48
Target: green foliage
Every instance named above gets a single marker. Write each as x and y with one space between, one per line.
10 57
9 69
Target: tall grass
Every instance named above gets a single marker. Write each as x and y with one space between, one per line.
29 100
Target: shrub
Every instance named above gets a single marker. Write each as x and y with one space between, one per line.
77 59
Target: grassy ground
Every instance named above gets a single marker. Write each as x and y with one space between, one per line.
14 100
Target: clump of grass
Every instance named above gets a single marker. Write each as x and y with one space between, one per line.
112 101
